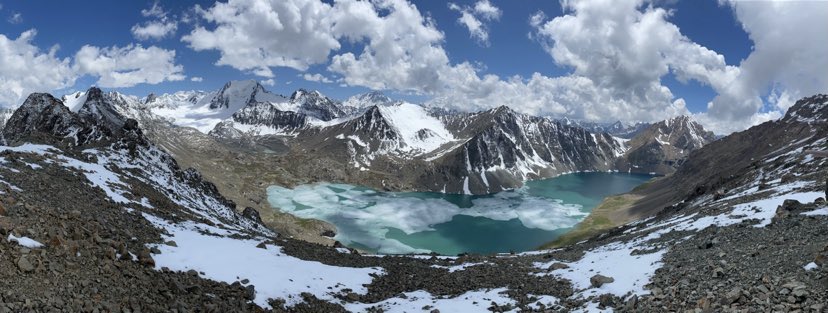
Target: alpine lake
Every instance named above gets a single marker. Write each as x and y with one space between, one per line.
448 224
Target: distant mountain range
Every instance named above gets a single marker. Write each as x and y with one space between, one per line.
373 140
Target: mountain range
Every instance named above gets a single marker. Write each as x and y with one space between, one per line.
372 140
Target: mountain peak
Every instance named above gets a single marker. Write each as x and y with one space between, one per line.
304 93
808 109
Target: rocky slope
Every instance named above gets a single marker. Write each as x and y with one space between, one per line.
736 228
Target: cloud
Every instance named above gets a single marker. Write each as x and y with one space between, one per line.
128 66
154 11
269 82
15 18
474 18
630 50
315 78
154 30
788 61
24 69
196 79
616 65
258 34
402 48
158 28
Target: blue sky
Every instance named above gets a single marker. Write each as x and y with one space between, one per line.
514 47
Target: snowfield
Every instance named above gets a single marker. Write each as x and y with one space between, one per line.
273 273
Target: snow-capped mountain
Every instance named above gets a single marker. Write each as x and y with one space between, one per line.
617 129
473 153
663 146
503 148
358 103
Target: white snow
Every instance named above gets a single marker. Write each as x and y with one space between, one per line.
548 302
592 307
631 272
820 211
472 301
97 174
24 241
74 101
409 118
273 273
461 267
183 112
767 207
810 266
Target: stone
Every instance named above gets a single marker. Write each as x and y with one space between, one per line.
171 243
252 214
145 258
558 266
24 264
606 300
261 245
6 225
718 272
732 296
599 280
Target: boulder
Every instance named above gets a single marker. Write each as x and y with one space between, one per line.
252 214
599 280
558 266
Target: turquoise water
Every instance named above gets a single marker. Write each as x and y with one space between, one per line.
419 222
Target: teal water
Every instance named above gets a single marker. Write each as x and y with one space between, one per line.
418 222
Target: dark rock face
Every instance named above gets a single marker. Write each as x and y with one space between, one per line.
664 146
262 113
44 114
150 98
252 214
507 148
100 111
314 104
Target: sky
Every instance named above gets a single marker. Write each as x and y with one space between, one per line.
730 64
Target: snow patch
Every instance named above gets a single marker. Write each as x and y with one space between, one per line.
273 273
472 301
24 241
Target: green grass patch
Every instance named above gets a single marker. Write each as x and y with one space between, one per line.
597 222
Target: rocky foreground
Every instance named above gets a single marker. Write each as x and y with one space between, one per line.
94 217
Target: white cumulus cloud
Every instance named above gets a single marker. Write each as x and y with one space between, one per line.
128 66
788 61
255 35
160 27
315 78
24 68
617 51
474 18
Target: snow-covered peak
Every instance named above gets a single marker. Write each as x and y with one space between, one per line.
235 95
74 101
366 100
681 131
176 99
419 130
